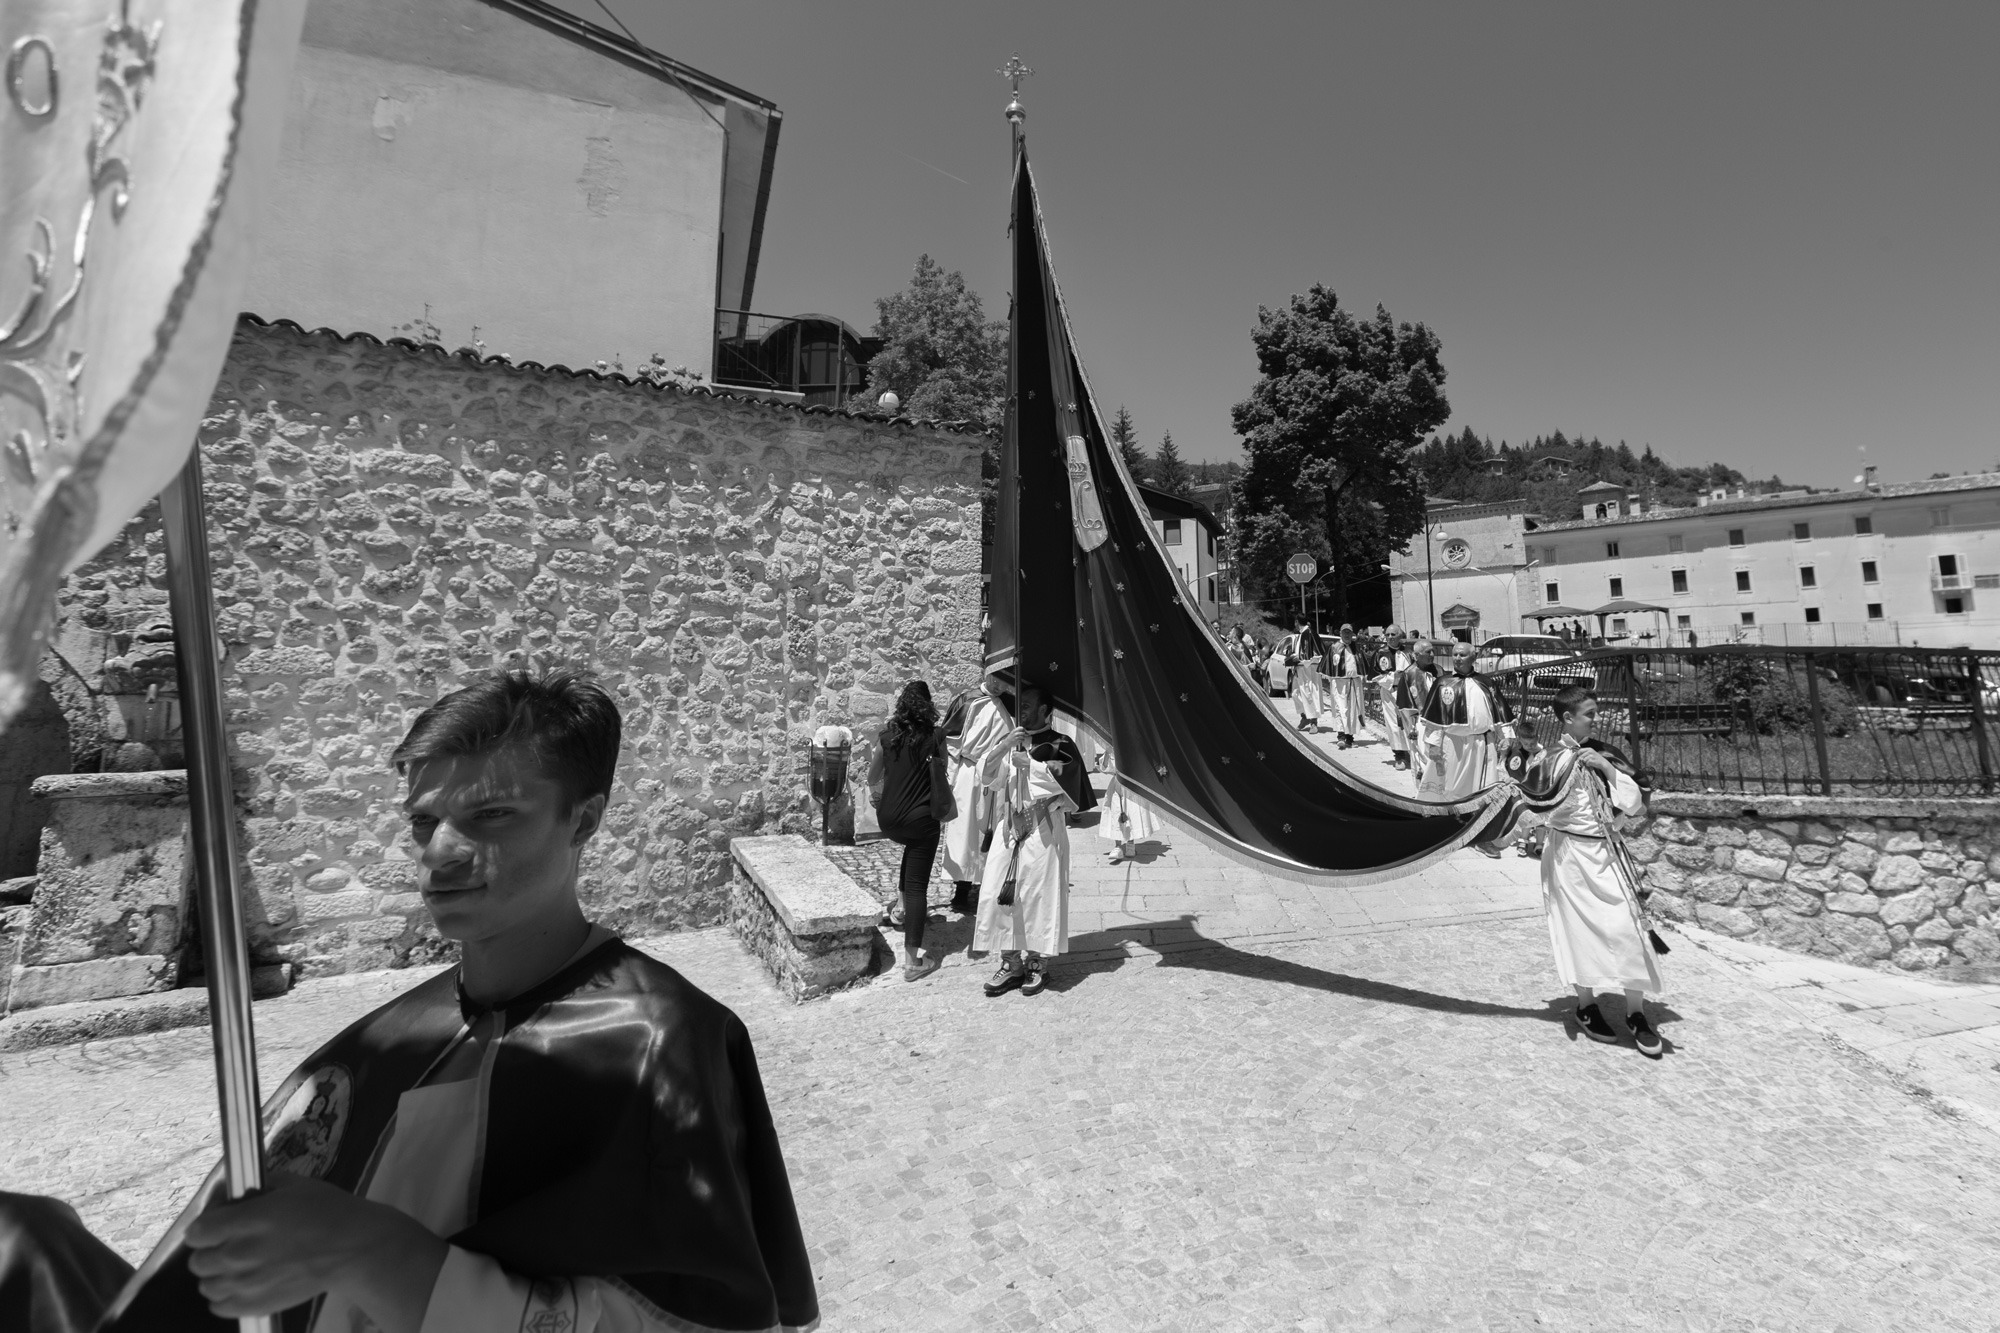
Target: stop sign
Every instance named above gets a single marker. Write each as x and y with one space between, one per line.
1302 568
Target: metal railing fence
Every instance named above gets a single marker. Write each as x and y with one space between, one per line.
1783 721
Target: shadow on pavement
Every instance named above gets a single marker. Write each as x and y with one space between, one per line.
1193 950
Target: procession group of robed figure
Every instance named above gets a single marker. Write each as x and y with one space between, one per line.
563 1132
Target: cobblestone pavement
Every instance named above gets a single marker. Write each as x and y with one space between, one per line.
1387 1128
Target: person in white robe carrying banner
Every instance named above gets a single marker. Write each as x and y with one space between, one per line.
1024 897
1591 890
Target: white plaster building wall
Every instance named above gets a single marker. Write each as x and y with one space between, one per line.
1491 584
454 155
1903 547
1193 559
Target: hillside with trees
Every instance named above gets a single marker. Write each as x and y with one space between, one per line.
1548 470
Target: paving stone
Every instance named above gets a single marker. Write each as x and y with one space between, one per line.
1388 1128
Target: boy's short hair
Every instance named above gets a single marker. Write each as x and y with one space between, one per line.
562 717
1570 697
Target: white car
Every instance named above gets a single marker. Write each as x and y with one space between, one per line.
1278 672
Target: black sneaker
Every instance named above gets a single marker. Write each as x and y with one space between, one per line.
1038 978
1005 979
1644 1037
1591 1019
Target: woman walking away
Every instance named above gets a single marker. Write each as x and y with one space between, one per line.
904 772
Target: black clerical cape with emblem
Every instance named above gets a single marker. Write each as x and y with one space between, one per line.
628 1137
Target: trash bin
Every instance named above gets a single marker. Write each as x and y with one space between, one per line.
831 753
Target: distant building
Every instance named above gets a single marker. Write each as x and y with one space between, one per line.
509 168
1188 530
1463 576
1913 563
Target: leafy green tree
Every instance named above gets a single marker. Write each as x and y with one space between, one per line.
939 354
1170 474
1126 440
1330 427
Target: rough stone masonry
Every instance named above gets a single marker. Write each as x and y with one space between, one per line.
387 519
1879 882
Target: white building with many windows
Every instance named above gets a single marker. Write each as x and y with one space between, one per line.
1912 563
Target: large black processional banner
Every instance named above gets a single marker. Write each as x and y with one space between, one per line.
1084 603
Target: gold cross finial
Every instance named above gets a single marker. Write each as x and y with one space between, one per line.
1015 71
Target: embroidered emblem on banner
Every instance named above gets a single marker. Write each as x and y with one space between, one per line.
1085 513
305 1135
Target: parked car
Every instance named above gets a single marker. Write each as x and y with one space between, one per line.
1277 673
1508 651
1889 682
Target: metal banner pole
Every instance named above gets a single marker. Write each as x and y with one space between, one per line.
212 823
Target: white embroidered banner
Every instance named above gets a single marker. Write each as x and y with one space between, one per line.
133 137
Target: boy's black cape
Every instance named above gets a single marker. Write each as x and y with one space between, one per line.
627 1137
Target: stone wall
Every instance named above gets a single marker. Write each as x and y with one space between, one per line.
1902 883
387 520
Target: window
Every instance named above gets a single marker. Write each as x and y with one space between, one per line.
1868 572
1874 610
1736 536
1611 550
1812 615
1808 577
1801 532
1954 606
1748 617
1551 593
1617 624
1675 545
1173 532
1683 622
1211 543
1211 587
1617 588
1863 525
1743 580
1680 580
1941 518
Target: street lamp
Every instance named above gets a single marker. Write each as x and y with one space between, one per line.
1432 534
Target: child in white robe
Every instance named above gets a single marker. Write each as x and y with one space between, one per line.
1597 926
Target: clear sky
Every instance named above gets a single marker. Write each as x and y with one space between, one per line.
1767 234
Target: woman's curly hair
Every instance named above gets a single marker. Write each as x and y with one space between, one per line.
915 718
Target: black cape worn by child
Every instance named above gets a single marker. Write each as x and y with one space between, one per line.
627 1138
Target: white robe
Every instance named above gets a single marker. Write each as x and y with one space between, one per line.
1038 918
1595 926
1395 727
1463 758
1306 692
1123 819
974 755
1345 691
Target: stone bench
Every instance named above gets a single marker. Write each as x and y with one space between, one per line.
812 926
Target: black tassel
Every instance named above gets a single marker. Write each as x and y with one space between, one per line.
1659 945
1006 898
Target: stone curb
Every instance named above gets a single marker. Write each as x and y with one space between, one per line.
126 1015
1740 805
93 1020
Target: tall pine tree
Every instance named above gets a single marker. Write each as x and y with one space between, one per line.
1170 474
1126 438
